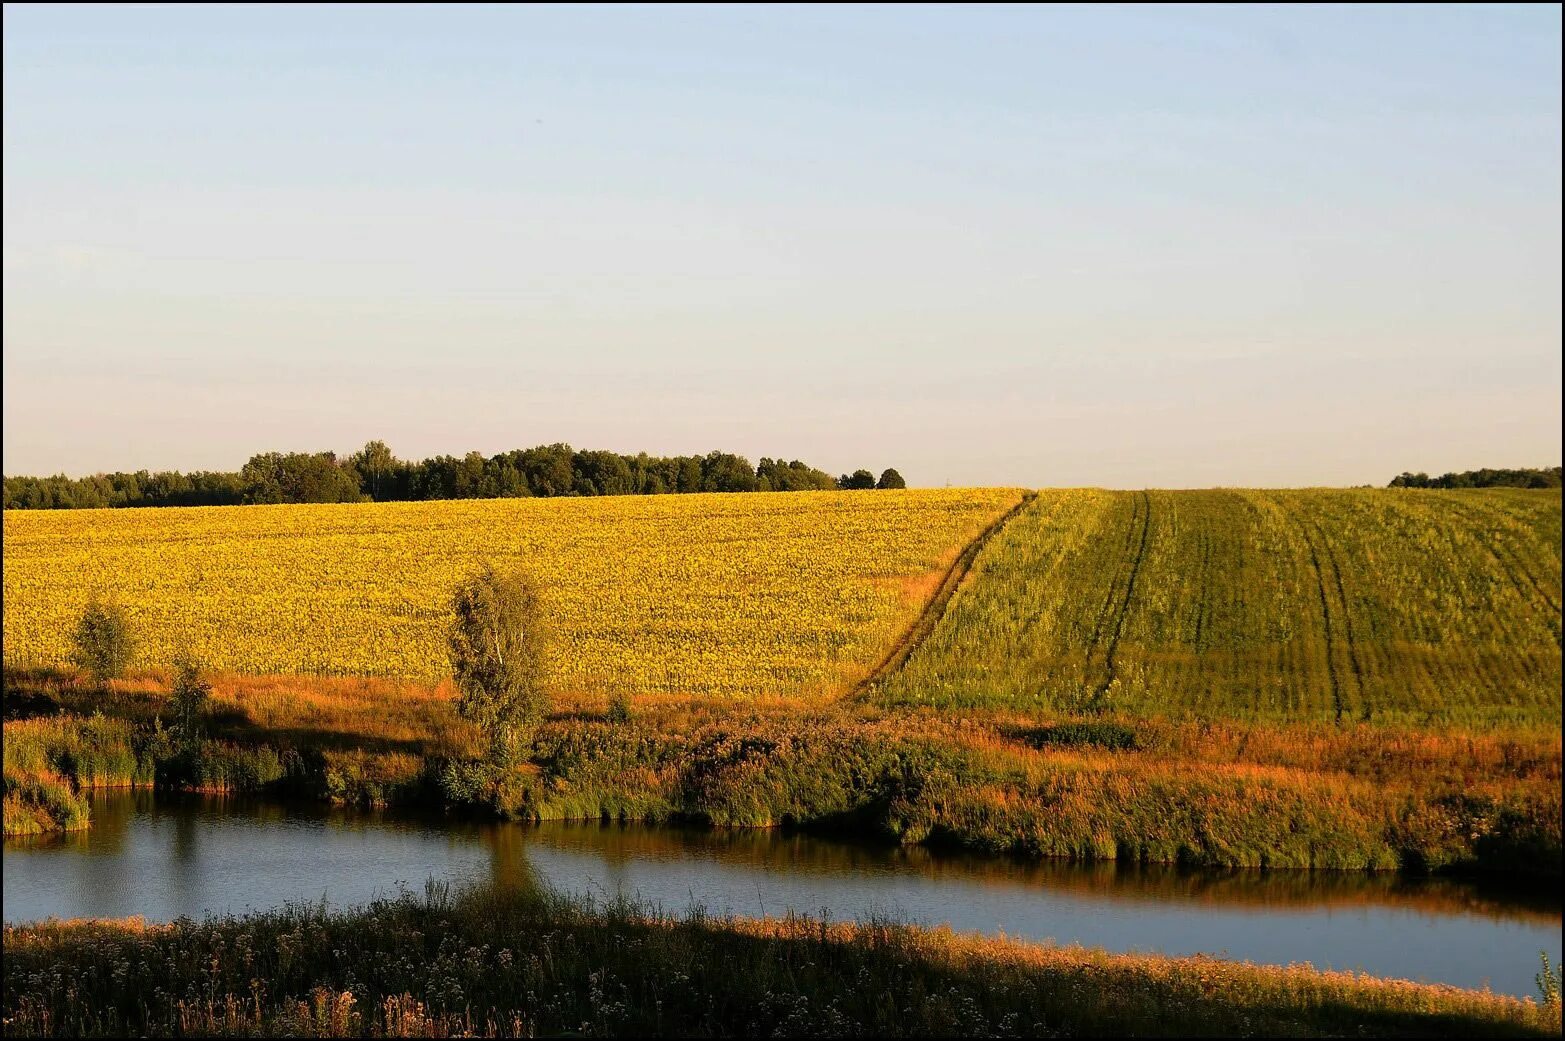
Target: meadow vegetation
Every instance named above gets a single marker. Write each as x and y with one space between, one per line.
510 963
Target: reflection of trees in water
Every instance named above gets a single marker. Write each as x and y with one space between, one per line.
184 869
797 853
621 847
509 867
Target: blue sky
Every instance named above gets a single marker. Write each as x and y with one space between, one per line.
1042 246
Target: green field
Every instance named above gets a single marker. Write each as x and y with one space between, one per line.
1351 605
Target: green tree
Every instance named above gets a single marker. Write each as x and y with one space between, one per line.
890 479
377 467
103 643
689 474
856 481
726 472
499 651
187 700
299 477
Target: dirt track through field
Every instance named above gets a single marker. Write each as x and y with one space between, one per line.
1326 621
935 609
1111 654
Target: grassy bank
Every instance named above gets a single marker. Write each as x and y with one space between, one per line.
1217 795
528 964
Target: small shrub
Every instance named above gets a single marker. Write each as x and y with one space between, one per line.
1548 980
103 642
619 708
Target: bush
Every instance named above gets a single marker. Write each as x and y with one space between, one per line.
619 708
498 645
890 479
103 643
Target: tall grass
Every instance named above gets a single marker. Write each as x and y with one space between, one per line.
1323 800
48 761
497 963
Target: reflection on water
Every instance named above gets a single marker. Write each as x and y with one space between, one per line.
165 856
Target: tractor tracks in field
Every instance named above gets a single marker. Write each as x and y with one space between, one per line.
1327 615
1142 509
1515 568
935 608
1203 612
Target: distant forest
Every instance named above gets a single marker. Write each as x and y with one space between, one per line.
1548 477
374 474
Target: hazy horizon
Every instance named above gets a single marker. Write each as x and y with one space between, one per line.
1045 247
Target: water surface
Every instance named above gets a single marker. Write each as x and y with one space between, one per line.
163 856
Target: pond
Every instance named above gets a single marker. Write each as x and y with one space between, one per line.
163 856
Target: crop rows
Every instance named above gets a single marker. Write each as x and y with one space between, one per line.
1322 604
706 595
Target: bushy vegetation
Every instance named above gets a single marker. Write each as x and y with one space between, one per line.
374 474
39 804
514 964
1351 605
50 760
1304 797
1523 478
351 742
1233 795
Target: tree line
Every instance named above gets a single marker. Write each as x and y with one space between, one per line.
375 474
1548 477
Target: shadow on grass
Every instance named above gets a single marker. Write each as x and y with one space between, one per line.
500 962
30 693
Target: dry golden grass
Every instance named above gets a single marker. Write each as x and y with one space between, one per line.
509 963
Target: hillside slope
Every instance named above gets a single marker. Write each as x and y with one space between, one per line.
1344 604
738 595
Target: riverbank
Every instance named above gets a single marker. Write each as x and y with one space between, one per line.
1096 787
498 963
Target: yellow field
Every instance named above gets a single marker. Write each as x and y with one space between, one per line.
718 595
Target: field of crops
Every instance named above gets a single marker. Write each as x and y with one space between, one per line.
1320 604
716 595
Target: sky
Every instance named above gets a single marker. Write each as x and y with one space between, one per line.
1121 247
